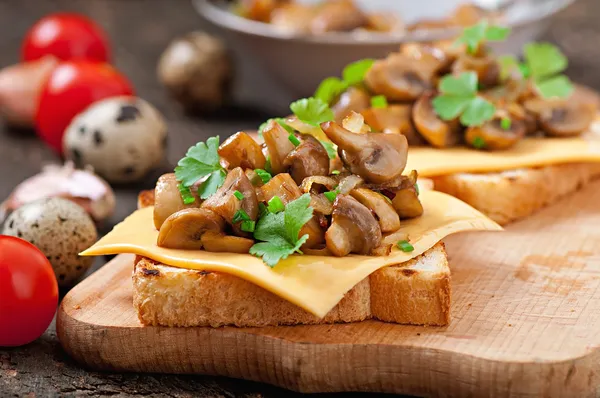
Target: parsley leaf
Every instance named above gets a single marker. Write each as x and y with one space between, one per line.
278 232
545 62
272 253
331 148
544 59
355 72
557 86
464 84
202 160
477 112
448 107
312 111
459 98
279 120
330 89
474 35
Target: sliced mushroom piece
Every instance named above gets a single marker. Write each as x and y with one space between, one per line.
381 206
394 119
406 202
353 228
400 78
429 53
241 150
510 91
492 136
278 144
259 10
219 242
385 22
353 99
518 112
308 185
376 157
225 203
167 199
337 16
321 204
487 69
308 159
562 118
293 18
284 186
183 230
439 133
394 237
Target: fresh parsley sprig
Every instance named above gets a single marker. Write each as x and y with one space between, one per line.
474 35
459 98
544 64
312 111
201 161
353 74
278 232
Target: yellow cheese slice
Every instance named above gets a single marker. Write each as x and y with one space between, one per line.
315 283
530 152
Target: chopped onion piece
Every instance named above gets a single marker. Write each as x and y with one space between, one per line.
355 122
349 183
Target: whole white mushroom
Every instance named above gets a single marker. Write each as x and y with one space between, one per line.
197 70
121 138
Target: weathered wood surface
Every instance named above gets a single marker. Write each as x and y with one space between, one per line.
525 323
140 29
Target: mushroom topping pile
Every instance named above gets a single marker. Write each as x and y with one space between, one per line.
447 94
291 193
344 16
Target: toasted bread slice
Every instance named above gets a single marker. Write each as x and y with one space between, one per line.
416 292
511 195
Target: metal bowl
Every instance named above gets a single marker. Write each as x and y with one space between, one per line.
293 65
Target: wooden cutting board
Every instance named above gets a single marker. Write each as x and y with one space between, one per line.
526 322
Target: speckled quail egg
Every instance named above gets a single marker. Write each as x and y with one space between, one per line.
121 138
197 70
61 230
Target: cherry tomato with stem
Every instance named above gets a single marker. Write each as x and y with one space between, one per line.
28 292
67 36
71 87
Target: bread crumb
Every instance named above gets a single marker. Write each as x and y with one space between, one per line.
77 307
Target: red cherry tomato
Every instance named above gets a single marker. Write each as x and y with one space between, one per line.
72 87
66 36
28 292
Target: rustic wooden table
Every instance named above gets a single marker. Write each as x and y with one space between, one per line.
140 30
